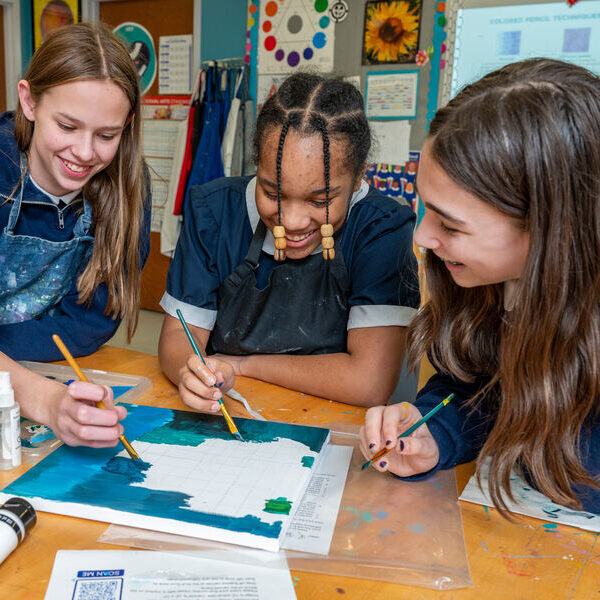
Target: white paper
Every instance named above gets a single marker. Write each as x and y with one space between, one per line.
175 64
530 502
392 142
391 95
312 528
147 575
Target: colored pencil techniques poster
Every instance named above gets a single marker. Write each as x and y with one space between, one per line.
391 33
195 478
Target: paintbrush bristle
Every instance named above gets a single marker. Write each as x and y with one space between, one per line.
238 436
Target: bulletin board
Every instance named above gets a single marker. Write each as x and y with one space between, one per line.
348 51
159 17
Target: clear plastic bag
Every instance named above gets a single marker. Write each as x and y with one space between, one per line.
407 532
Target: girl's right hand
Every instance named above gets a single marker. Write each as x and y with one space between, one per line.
196 381
415 454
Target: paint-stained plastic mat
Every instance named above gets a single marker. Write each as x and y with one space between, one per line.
407 532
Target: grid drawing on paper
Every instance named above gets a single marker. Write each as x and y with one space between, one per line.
195 478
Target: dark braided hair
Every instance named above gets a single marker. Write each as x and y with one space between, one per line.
284 131
309 104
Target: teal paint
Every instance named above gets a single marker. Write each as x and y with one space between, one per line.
367 517
385 532
550 526
132 469
97 477
418 528
26 33
223 29
308 461
354 510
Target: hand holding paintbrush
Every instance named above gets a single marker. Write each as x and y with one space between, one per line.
230 423
383 423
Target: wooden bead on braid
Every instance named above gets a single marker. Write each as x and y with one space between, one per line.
327 241
280 242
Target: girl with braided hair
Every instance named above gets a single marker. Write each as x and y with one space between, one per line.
302 276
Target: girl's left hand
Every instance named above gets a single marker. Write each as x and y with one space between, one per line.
417 453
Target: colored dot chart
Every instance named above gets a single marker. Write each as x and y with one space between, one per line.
294 34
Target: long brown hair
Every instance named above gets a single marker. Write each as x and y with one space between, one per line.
117 193
525 140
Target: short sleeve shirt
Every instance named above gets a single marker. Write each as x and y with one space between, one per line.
220 220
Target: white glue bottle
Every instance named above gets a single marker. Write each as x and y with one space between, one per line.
17 517
10 425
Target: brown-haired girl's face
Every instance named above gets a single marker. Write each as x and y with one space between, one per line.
302 188
478 244
77 131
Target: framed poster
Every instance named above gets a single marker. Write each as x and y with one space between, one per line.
391 31
392 94
52 14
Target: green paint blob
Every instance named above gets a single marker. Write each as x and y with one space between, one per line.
321 5
368 517
278 506
308 461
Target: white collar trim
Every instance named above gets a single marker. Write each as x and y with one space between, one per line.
269 242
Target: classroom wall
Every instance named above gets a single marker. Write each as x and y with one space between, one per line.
348 58
223 30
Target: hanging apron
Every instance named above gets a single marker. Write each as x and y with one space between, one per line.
302 310
208 164
35 273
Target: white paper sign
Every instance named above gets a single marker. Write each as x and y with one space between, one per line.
175 64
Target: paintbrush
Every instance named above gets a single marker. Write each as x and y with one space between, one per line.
69 358
232 428
412 428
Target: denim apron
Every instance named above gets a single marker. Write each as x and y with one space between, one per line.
35 274
302 310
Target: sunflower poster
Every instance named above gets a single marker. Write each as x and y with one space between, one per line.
391 33
51 14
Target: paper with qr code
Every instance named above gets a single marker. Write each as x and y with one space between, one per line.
147 575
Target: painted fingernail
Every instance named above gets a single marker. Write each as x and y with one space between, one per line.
401 445
214 407
371 445
382 464
388 443
219 384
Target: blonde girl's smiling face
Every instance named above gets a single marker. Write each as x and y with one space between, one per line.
77 129
303 198
478 244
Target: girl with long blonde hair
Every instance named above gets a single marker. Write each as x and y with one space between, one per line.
75 219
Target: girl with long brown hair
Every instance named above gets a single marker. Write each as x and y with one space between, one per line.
510 179
74 220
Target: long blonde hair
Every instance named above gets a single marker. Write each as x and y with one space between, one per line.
524 139
117 193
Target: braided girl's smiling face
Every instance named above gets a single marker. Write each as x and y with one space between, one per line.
303 195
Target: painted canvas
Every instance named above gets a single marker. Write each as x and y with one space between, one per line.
194 478
391 32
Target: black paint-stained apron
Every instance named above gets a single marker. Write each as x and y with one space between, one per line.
302 310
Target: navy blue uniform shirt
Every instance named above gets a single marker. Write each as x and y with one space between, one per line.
221 217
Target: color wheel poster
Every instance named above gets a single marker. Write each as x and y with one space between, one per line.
295 33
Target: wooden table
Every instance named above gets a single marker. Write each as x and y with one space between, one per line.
521 560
